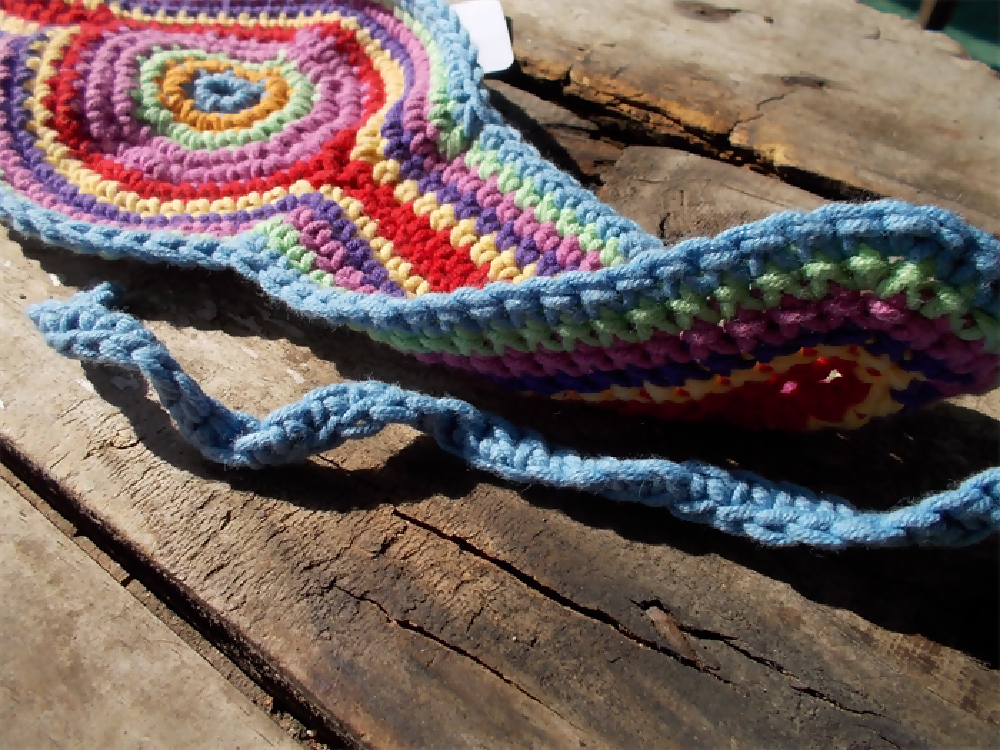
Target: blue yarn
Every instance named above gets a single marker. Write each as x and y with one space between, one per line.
226 92
741 503
652 276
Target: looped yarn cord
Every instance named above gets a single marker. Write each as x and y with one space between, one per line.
740 503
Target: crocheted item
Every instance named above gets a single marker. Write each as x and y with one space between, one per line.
344 157
739 502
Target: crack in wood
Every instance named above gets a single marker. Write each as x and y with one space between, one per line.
678 649
732 642
413 627
592 613
286 696
686 656
664 226
614 124
705 11
674 651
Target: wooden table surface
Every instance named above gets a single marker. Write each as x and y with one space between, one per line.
409 601
829 94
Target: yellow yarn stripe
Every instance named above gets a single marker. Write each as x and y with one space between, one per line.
878 403
398 268
370 144
14 25
107 191
482 249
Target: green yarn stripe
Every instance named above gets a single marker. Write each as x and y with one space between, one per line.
149 109
925 295
487 163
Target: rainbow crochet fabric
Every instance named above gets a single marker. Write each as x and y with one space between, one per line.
345 157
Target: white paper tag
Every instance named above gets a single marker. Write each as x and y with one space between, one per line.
485 22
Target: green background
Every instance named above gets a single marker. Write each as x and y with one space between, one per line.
975 25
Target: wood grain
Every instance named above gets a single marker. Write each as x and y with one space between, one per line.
413 602
676 195
571 142
830 94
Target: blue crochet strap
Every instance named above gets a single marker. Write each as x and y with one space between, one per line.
740 503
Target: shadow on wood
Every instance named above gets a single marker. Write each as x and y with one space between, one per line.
951 597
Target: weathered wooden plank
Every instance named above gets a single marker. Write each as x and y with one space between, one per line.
86 665
236 546
416 603
675 195
829 92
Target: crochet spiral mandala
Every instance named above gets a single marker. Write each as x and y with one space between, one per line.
345 157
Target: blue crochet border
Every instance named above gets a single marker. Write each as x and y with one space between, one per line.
652 273
786 238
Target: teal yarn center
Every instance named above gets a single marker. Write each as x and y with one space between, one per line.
226 93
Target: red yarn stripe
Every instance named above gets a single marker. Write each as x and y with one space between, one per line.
323 168
430 252
762 404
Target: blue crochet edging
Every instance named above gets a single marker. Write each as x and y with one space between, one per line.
963 255
740 503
